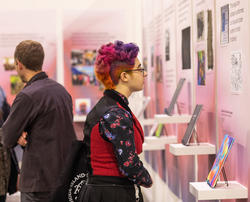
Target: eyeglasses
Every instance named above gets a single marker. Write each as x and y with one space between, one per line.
137 70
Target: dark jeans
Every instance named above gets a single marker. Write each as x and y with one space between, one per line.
2 198
35 196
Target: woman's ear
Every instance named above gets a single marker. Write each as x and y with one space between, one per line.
124 76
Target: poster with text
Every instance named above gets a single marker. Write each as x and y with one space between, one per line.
233 82
224 37
236 72
233 85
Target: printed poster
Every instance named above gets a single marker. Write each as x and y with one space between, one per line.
236 72
200 26
167 45
201 68
224 37
82 106
186 48
210 55
82 67
159 73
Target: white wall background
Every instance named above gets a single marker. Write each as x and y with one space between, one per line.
133 19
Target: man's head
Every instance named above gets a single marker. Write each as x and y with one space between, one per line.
112 60
29 56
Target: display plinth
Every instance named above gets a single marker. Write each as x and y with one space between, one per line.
158 143
192 149
78 118
163 118
202 191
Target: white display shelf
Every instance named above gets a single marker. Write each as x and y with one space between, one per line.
163 118
192 149
78 118
146 122
202 191
158 143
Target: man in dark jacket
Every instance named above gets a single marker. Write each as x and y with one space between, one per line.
40 120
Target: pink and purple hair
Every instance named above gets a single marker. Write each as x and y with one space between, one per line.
112 60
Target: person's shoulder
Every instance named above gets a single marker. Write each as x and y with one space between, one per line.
55 83
117 112
46 84
29 90
22 98
41 88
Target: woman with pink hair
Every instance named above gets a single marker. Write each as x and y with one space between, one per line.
112 134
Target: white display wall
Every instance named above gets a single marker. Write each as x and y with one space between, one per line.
233 84
207 43
131 29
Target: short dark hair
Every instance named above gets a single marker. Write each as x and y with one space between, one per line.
30 54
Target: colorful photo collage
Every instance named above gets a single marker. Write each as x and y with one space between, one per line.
82 67
201 68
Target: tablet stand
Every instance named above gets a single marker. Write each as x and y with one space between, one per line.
195 135
178 108
224 175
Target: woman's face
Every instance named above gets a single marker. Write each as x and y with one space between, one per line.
137 75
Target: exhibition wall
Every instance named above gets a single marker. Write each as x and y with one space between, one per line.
18 27
204 41
71 32
207 43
